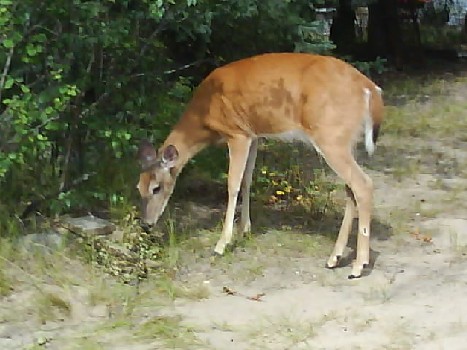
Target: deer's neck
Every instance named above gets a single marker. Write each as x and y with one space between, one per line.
189 136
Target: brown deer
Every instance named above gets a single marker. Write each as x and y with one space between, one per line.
319 100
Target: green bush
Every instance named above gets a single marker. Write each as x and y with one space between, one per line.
82 82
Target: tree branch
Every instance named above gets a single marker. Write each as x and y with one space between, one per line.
6 68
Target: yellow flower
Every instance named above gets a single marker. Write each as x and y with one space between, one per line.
280 193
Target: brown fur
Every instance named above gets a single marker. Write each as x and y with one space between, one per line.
321 97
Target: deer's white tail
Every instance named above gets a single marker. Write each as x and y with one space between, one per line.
372 117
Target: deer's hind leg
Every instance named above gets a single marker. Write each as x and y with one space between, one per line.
346 227
342 161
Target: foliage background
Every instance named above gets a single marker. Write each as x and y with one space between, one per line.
83 81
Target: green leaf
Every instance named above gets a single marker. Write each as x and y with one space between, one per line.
8 83
31 50
25 89
72 91
8 43
40 38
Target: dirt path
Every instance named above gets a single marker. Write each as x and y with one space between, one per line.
412 299
272 291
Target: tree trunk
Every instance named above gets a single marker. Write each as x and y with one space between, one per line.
418 52
384 32
464 30
343 28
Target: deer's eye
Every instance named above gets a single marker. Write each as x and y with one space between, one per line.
156 189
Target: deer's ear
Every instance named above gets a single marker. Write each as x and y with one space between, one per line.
169 157
146 154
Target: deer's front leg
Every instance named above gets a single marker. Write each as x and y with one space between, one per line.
245 221
239 147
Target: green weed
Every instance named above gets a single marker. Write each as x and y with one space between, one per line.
169 330
50 306
284 330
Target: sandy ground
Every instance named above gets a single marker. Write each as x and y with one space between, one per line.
412 297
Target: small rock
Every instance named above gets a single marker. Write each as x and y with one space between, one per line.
41 341
89 226
49 240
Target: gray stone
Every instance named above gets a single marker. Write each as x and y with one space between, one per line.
48 240
89 226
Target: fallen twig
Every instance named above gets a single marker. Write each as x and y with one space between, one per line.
256 297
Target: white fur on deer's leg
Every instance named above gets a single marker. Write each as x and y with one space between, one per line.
364 204
239 147
344 231
245 221
227 230
363 253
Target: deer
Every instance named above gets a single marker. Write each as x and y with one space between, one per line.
319 100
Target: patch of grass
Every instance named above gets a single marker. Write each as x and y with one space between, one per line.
296 244
173 290
121 322
169 330
363 324
441 117
171 253
244 268
403 171
50 306
6 284
6 253
84 343
284 330
10 225
224 326
400 336
400 220
253 254
120 299
417 88
380 293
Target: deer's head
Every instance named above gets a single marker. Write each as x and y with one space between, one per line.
156 180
